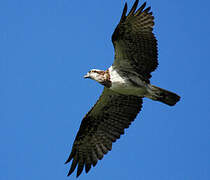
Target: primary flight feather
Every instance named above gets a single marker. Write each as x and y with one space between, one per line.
125 83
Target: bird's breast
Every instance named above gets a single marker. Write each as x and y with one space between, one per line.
123 85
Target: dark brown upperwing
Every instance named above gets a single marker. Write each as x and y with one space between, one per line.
134 42
102 126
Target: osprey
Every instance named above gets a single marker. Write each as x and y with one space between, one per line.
125 83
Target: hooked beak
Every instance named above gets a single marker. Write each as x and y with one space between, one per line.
86 76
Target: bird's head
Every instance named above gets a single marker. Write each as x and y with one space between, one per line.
96 74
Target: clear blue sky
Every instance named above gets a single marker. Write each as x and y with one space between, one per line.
46 48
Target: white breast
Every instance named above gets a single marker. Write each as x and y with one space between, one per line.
115 77
123 85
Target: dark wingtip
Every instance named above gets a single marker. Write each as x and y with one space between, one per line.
78 174
147 10
139 11
133 9
124 12
79 170
69 158
87 167
70 172
67 161
74 163
144 4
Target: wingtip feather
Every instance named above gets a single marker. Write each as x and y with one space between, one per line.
139 11
68 160
70 157
133 9
87 168
124 12
70 171
80 169
147 9
73 165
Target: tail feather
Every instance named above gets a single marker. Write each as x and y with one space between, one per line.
162 95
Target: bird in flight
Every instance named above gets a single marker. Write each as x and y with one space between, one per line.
125 83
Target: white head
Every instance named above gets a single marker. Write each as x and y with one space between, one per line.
96 74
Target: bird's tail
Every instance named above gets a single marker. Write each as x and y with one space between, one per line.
162 95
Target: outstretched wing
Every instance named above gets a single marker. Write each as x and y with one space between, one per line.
135 44
102 126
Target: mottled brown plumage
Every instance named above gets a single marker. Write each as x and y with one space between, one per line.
107 83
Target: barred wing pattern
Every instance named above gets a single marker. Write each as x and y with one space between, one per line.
102 126
135 44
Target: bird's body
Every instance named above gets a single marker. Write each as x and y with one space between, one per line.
125 83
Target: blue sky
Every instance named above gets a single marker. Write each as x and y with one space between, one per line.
46 48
